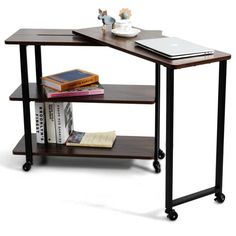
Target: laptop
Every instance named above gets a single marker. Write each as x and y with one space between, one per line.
174 48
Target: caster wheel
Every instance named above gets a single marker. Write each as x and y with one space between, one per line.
27 166
172 215
161 154
157 166
220 197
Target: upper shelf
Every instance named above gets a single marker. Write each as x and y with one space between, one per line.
131 94
96 37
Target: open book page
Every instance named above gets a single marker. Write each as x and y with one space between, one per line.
98 139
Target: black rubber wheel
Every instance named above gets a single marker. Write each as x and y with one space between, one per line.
27 166
157 166
220 197
161 154
172 215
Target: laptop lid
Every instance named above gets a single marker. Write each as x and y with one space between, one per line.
173 47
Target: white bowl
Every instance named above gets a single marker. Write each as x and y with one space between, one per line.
132 32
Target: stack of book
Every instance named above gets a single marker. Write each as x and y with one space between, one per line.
72 83
54 120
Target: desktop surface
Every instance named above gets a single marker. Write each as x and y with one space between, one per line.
127 45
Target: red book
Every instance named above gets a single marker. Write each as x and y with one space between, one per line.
93 89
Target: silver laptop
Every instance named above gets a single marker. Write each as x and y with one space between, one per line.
173 47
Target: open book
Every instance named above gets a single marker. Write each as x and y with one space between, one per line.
99 139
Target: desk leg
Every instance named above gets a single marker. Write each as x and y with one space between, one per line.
220 131
38 69
169 144
158 153
26 108
38 64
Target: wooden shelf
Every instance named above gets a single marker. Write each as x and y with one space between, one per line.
125 147
134 94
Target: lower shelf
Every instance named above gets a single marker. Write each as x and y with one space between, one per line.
125 147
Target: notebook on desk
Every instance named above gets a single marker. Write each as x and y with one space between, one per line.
174 48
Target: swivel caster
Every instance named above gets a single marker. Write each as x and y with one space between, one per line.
157 166
27 166
161 154
172 215
220 197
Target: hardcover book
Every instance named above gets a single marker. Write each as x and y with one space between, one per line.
93 89
40 122
50 122
69 80
82 139
63 121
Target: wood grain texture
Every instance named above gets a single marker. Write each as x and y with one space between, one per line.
128 45
132 94
63 37
125 147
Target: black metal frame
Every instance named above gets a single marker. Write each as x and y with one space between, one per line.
169 137
38 64
217 190
157 112
26 101
156 163
220 125
26 104
170 202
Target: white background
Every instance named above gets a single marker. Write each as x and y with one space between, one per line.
73 196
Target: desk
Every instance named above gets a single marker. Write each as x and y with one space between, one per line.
127 146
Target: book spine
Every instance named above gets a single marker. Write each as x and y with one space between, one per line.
75 94
50 122
96 92
64 121
40 122
47 82
79 83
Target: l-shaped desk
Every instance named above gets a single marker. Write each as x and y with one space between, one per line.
125 146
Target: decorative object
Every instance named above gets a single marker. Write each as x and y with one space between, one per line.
123 26
106 20
125 33
125 13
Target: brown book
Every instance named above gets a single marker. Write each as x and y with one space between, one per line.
69 80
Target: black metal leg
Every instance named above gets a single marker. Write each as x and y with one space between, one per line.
169 143
156 163
38 64
157 112
26 108
220 131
